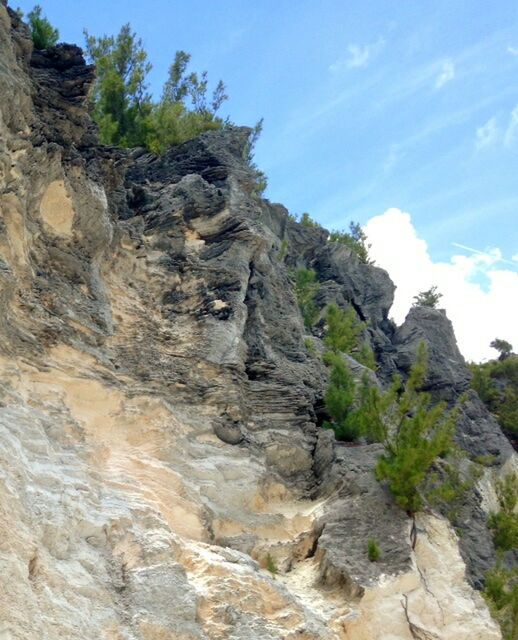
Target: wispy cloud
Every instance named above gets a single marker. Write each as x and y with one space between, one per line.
487 134
490 256
392 159
512 50
515 257
358 56
491 133
446 75
511 133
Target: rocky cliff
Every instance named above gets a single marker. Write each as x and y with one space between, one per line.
163 473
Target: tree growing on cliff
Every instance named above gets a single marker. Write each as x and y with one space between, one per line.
339 399
504 348
355 239
306 288
121 102
122 105
414 433
496 382
343 334
44 35
429 298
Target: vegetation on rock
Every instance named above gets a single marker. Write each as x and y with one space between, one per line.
449 482
355 239
343 329
271 565
122 105
501 594
307 221
504 523
373 550
306 288
44 35
339 399
413 431
414 434
343 332
496 382
429 298
503 347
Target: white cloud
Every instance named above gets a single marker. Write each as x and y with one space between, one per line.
511 133
446 75
515 257
358 56
479 314
487 134
512 50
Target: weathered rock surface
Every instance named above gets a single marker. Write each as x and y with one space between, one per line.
159 438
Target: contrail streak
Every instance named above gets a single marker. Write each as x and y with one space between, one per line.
483 253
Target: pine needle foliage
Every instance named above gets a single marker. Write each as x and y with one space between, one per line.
122 105
355 239
414 434
504 523
306 288
343 329
501 595
44 35
339 399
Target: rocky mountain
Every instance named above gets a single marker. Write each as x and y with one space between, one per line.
163 470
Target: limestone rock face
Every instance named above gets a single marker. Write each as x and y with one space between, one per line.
163 474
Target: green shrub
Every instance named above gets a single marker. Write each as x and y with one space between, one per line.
355 239
496 382
503 347
306 288
366 357
339 399
501 595
271 565
310 347
283 250
447 485
307 221
485 460
505 523
170 124
260 178
124 110
429 298
44 35
373 550
343 329
483 383
414 434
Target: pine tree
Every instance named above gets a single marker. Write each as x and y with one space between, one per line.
44 35
414 434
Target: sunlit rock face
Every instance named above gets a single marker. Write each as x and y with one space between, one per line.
163 474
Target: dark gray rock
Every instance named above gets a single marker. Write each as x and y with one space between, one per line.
478 432
368 288
362 510
447 374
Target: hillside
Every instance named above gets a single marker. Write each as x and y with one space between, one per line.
164 470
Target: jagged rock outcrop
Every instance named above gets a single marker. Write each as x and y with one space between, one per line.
160 446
